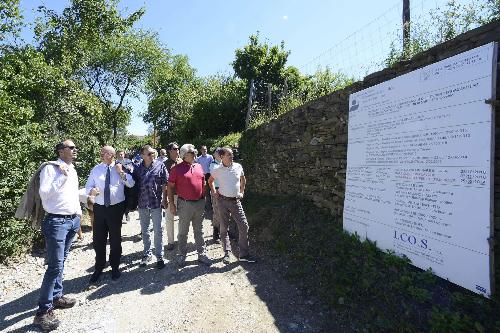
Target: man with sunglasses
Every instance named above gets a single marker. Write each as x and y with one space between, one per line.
188 181
151 176
109 180
59 195
173 160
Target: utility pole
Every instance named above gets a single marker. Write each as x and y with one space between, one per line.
406 28
251 94
269 98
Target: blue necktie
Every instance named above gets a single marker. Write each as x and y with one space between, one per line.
107 192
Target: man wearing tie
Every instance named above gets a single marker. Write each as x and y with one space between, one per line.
109 179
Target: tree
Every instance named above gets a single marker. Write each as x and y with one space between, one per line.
118 70
172 91
260 62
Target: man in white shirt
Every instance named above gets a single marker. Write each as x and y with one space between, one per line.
163 156
109 179
59 194
232 181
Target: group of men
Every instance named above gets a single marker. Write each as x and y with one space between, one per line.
181 183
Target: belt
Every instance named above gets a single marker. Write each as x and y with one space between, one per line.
189 200
227 198
63 216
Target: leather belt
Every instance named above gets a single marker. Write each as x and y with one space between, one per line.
62 216
189 200
227 198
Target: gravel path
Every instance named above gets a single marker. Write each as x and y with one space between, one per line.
220 298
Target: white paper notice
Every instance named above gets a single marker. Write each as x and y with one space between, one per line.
419 166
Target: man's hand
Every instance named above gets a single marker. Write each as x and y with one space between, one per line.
172 208
119 167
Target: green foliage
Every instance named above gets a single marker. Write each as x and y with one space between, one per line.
10 18
444 24
369 289
230 140
17 237
261 62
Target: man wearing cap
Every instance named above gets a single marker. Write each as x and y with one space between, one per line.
188 180
109 179
151 177
231 189
173 160
59 195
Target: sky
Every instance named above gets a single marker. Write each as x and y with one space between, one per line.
209 31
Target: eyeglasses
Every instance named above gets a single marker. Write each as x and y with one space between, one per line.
71 147
176 148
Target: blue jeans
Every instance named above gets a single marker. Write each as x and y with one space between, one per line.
145 214
59 233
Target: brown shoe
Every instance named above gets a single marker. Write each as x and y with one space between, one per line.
47 320
64 302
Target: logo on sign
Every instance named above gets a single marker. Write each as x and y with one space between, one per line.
410 239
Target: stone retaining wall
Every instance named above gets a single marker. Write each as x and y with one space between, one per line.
304 151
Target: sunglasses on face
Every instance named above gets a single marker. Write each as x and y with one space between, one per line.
71 147
151 154
177 148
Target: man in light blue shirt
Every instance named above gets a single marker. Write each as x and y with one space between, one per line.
109 179
205 159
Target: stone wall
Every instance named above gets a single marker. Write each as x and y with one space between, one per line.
304 151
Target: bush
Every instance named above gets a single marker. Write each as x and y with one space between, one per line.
370 290
17 237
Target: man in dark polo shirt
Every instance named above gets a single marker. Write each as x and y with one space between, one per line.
173 160
188 180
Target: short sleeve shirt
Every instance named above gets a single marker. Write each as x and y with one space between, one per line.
189 180
205 162
229 179
150 181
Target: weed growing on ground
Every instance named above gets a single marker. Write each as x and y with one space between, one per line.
370 289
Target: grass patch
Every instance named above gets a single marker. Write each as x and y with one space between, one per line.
371 290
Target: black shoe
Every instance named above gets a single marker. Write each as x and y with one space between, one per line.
248 258
160 264
95 277
47 320
170 247
64 302
115 274
215 235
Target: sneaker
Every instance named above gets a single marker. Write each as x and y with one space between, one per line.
170 247
228 257
115 274
95 277
181 260
160 264
64 302
145 260
248 258
47 320
203 259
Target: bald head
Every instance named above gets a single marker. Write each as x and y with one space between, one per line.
107 154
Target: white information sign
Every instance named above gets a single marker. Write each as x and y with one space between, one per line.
419 166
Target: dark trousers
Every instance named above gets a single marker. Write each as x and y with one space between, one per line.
108 220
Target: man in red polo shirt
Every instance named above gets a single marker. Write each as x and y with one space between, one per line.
188 180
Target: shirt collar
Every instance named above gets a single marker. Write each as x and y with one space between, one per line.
62 162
